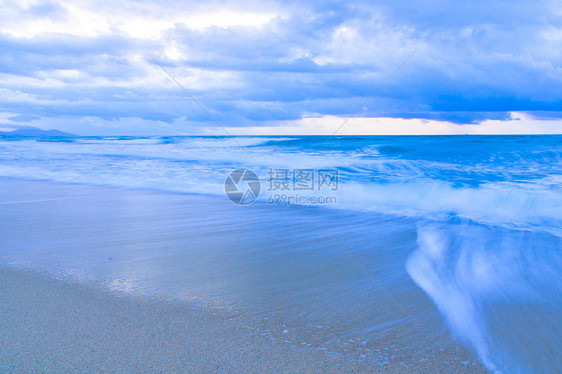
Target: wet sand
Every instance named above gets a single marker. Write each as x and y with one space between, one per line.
155 286
52 326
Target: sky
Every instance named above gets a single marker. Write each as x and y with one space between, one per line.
268 67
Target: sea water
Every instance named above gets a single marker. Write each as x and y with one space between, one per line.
437 235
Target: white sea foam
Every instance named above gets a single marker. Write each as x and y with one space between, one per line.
372 177
496 203
467 270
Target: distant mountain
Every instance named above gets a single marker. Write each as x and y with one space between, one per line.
32 131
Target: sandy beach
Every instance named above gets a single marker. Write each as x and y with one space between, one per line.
49 326
131 278
153 287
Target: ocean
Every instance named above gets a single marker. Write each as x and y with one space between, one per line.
416 244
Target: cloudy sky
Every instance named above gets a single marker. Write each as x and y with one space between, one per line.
266 67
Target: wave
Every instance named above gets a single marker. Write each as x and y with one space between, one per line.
492 285
514 182
503 204
489 260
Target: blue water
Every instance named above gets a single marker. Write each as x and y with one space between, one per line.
478 219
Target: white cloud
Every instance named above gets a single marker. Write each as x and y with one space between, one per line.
258 62
519 124
137 20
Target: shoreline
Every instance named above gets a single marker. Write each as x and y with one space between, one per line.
52 326
79 295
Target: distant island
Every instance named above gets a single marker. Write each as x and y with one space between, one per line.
33 132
